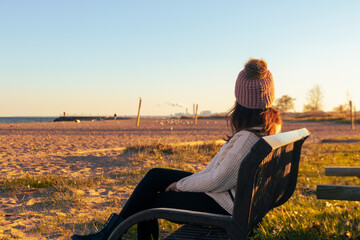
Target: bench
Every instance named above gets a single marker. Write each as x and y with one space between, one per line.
267 178
339 192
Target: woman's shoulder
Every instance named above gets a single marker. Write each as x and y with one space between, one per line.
245 133
243 136
241 141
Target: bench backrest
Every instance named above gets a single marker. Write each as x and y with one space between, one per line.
267 176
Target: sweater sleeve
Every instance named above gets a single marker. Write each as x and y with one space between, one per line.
222 175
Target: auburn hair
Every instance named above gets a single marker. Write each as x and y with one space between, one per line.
242 118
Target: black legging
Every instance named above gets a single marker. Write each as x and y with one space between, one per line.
150 193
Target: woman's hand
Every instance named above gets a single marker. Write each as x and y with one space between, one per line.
172 187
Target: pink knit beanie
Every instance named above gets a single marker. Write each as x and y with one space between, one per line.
254 86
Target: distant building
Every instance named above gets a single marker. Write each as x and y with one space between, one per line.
205 113
179 114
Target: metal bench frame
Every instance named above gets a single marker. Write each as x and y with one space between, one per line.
267 178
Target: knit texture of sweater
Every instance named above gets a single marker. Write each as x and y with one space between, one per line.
221 174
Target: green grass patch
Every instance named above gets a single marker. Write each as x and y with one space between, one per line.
168 149
163 155
45 181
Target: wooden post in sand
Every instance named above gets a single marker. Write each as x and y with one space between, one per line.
138 116
196 113
352 116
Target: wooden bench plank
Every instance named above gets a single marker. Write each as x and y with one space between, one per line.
342 171
338 192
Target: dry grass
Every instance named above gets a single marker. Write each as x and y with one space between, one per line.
336 117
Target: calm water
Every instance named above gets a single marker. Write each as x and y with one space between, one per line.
25 119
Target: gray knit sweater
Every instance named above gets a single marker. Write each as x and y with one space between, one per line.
221 173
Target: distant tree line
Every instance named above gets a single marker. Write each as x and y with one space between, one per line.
315 102
285 103
315 99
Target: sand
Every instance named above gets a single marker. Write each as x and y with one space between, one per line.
88 149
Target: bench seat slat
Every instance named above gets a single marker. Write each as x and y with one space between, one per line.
197 232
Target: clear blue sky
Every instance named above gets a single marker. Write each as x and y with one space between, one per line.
99 57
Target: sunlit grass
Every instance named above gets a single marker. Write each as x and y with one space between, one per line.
336 117
45 181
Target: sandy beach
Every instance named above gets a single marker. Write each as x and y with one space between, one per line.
90 149
87 148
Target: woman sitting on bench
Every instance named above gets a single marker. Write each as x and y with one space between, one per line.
213 189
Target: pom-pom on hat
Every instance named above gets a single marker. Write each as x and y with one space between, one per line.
254 86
